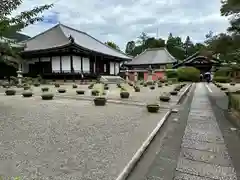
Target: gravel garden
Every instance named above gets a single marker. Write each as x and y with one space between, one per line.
78 131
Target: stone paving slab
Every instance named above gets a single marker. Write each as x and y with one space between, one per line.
184 176
212 137
222 159
206 170
204 146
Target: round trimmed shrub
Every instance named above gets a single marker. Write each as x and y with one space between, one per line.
10 92
124 95
74 86
149 83
26 87
174 93
61 90
152 87
100 101
221 79
80 92
119 85
153 108
166 84
227 93
145 84
130 84
5 85
188 74
137 89
44 89
224 88
57 85
219 85
47 96
27 94
141 83
19 86
90 86
36 84
178 88
164 98
95 92
159 84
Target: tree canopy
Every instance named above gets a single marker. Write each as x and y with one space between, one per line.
10 25
226 45
174 44
112 45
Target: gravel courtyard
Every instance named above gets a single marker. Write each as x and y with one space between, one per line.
69 139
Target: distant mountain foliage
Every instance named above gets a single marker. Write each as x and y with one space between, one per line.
18 37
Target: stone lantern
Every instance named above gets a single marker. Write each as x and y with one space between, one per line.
150 73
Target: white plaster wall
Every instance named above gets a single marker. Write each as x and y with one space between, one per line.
77 63
112 68
66 64
45 59
56 64
116 68
86 64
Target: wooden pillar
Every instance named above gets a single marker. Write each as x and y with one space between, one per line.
60 63
71 64
39 66
95 62
51 63
81 64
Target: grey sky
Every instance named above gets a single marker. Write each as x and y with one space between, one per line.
121 21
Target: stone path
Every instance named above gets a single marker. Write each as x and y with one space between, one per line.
203 155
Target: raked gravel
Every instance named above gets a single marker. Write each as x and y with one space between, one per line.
69 139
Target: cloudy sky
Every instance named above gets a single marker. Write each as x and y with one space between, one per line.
123 20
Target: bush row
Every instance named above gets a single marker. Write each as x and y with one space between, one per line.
183 74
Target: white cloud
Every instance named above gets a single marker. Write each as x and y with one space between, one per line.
122 21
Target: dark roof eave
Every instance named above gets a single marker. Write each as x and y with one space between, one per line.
149 64
72 44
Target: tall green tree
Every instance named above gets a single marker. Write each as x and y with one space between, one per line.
175 46
188 46
130 47
232 8
11 24
113 45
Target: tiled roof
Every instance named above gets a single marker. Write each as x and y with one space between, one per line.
153 56
59 36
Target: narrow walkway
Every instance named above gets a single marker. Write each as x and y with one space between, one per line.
203 155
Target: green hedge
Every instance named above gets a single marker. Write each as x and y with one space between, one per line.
222 72
188 74
221 79
171 73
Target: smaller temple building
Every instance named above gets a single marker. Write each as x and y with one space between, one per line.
156 58
202 60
